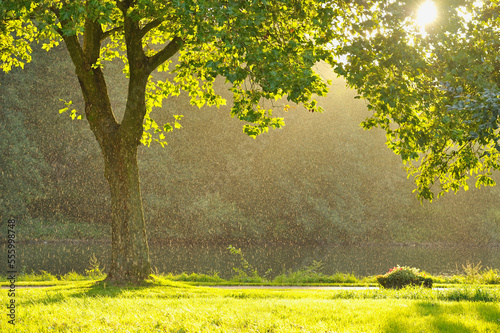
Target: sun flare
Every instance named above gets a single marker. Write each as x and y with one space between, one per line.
427 13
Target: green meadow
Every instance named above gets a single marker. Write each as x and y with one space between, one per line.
44 302
166 305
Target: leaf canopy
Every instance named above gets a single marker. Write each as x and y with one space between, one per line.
435 92
266 50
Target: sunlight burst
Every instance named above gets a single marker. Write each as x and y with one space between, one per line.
427 13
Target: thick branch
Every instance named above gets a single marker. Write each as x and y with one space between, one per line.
97 105
72 43
166 53
124 5
151 25
92 37
108 33
133 41
131 127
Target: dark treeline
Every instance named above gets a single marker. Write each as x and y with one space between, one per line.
320 179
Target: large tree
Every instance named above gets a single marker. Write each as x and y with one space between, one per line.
266 50
434 90
436 93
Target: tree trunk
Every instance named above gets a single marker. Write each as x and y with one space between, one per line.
130 252
119 141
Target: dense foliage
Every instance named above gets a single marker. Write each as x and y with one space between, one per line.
24 170
435 91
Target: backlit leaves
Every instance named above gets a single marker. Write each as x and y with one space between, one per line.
436 95
265 49
73 113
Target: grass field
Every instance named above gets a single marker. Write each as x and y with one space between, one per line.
164 305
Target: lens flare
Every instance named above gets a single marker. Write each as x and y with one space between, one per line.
427 13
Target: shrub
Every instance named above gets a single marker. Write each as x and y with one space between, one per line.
309 274
74 276
400 277
194 277
41 276
472 272
94 272
245 272
491 276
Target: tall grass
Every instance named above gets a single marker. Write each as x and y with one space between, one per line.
93 273
247 274
313 274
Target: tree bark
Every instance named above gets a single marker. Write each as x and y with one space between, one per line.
119 144
130 252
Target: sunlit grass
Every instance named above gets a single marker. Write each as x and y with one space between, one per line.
172 306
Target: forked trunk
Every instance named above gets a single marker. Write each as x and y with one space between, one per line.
119 141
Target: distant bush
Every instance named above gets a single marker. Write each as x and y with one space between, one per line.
24 170
41 276
95 272
245 272
193 277
74 276
491 276
474 274
400 277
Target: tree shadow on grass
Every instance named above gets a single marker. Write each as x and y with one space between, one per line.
442 317
489 312
103 289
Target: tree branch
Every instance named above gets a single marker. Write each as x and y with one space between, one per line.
151 25
168 51
72 43
93 85
92 36
110 32
124 5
